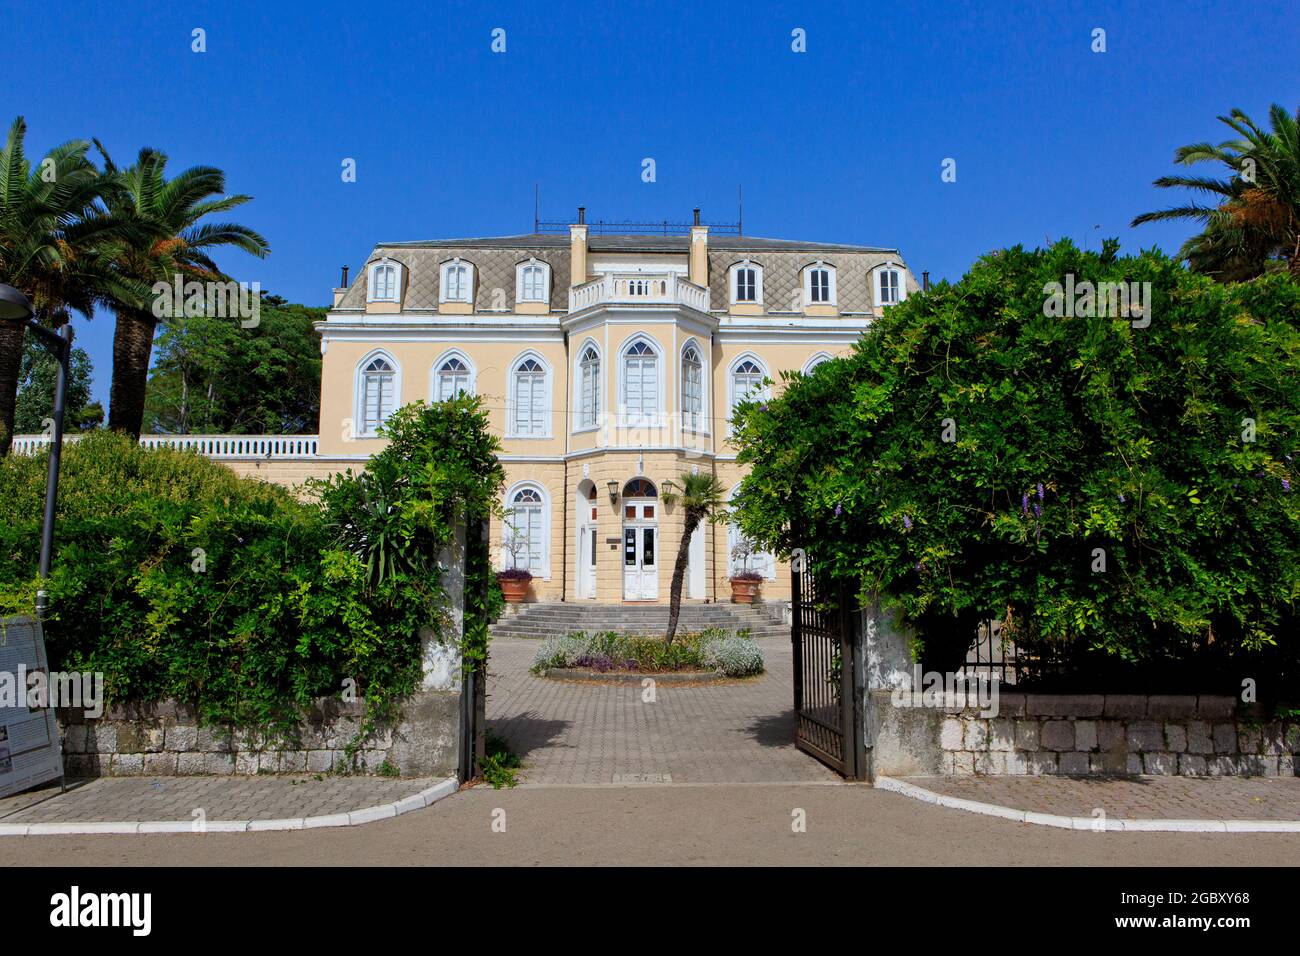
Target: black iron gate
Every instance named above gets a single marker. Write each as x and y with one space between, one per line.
828 668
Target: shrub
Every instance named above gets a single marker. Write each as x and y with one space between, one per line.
1094 485
735 655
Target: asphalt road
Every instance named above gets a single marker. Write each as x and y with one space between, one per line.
669 825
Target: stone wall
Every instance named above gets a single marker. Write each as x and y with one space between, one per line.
165 738
1082 734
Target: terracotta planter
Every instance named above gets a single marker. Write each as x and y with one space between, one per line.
514 590
743 592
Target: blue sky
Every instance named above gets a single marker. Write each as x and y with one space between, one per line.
843 143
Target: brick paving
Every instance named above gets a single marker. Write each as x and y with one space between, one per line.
591 733
1132 798
220 798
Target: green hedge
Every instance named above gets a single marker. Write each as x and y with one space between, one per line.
177 579
975 458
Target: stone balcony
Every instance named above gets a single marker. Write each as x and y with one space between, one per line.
639 288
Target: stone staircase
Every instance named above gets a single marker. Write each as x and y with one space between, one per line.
548 618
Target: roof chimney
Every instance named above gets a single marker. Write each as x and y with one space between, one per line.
925 282
344 281
582 215
340 292
697 216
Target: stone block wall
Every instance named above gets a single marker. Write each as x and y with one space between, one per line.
1083 735
165 739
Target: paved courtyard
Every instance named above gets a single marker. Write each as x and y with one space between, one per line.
592 733
219 798
1132 798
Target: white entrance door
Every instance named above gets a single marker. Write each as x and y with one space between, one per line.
587 561
640 549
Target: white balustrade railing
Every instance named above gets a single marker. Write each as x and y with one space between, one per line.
210 446
638 288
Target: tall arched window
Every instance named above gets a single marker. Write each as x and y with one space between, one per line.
529 399
454 378
377 394
890 288
819 284
589 388
526 530
692 389
640 381
746 283
746 382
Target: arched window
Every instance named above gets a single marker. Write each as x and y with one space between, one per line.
529 399
457 283
377 393
746 283
589 388
819 284
527 527
640 380
814 361
532 281
692 389
455 377
746 382
640 488
384 284
890 288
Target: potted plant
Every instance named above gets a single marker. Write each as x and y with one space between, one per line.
514 584
745 582
514 580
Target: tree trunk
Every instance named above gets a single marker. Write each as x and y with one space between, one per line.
132 346
679 574
11 360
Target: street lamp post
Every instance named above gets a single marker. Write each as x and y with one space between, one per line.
15 307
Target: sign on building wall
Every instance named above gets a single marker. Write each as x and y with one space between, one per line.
29 736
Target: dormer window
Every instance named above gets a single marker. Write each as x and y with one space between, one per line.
457 282
890 288
384 282
533 281
819 284
746 284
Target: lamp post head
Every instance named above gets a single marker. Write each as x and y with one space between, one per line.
14 306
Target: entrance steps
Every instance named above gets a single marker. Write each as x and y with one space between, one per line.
550 618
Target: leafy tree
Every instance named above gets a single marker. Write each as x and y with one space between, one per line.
165 237
36 383
213 376
701 495
52 231
1098 487
1254 221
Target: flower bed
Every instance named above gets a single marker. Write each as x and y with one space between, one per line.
711 651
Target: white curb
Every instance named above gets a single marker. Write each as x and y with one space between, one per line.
1095 824
384 811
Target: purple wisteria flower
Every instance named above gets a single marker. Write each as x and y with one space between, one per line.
1040 491
1286 485
1121 497
907 522
1024 504
838 509
1038 511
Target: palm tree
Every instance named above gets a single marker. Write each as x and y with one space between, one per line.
52 233
700 495
1254 221
166 239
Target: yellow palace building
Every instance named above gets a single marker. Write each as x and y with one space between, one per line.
609 364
